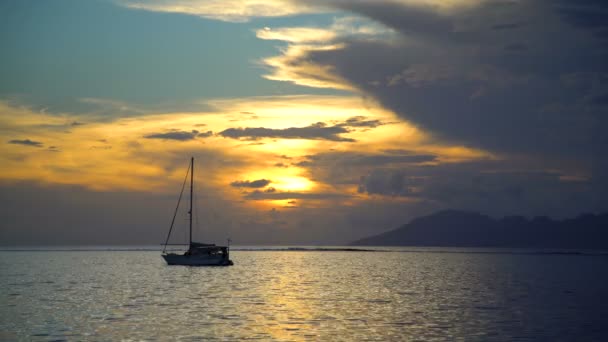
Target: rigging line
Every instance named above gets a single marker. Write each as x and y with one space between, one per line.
196 214
177 207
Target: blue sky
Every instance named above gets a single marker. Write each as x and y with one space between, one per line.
60 51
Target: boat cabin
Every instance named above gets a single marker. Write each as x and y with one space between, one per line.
197 248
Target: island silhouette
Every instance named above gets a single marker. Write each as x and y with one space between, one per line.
454 228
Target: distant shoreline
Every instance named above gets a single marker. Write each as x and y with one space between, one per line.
377 249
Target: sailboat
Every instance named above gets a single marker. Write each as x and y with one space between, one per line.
198 254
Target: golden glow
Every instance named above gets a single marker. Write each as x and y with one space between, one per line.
293 66
117 155
293 183
227 10
296 34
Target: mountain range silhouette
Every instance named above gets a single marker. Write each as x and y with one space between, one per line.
453 228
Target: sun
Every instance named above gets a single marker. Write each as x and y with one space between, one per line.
293 183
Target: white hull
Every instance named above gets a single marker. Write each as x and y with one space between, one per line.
196 260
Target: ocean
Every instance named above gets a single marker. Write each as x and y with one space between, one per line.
277 294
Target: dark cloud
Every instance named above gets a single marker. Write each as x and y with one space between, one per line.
26 142
396 151
588 15
376 160
493 187
508 26
205 134
318 131
352 159
360 121
584 80
516 47
174 135
408 19
384 182
600 99
260 183
352 169
483 187
601 33
452 76
304 163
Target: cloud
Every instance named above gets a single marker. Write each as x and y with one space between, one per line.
453 73
384 182
260 183
205 134
297 34
587 15
317 36
292 65
113 147
360 121
530 88
175 135
353 159
26 142
493 187
599 99
226 10
108 107
318 131
258 195
497 188
516 47
245 10
352 169
508 26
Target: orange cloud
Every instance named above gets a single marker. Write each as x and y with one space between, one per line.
149 152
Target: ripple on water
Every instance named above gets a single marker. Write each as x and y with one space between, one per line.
295 295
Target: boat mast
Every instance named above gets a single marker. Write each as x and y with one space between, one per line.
191 198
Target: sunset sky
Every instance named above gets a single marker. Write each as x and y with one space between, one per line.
311 122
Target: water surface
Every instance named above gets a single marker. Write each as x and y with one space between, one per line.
429 294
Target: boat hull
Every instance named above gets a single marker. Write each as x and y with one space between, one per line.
196 260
